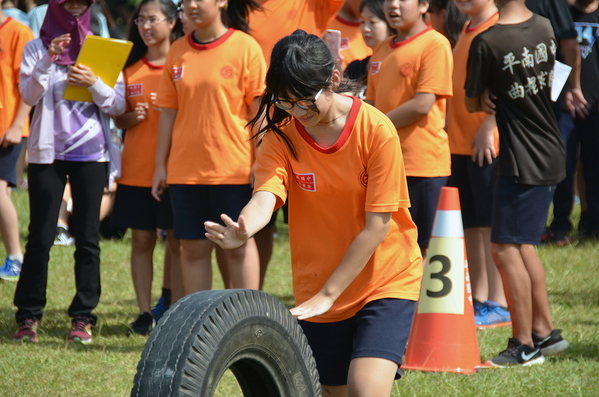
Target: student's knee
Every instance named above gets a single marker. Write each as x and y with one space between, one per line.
142 241
371 377
193 250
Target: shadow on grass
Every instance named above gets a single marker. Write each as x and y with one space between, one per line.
572 298
578 351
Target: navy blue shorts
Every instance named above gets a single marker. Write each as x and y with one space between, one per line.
380 329
519 212
475 185
8 163
136 208
195 204
424 198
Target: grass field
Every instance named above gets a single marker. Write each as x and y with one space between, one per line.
107 366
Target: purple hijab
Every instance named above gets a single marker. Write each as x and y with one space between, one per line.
59 21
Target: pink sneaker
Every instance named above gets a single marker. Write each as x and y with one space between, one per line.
81 330
27 331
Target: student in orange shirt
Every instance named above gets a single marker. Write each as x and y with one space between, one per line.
279 18
409 80
153 28
347 21
374 29
473 170
355 260
14 121
207 93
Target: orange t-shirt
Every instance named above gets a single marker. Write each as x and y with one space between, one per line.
330 190
13 37
462 125
353 46
139 147
398 71
212 86
280 18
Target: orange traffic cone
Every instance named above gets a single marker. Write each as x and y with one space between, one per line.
443 336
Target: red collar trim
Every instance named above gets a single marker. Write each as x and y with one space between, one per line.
404 42
345 134
346 22
212 44
5 22
151 65
470 29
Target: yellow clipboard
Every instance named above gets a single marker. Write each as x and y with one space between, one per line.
106 58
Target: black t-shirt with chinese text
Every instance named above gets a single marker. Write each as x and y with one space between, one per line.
516 62
587 27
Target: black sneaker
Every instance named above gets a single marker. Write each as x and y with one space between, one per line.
144 324
517 354
552 344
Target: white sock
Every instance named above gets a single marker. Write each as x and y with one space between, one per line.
17 257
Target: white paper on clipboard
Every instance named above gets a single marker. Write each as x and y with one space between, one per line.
561 72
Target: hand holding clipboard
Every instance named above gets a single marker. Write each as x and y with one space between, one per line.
104 58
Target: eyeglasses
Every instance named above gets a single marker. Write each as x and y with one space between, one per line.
304 103
151 21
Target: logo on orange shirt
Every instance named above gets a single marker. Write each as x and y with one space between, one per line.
135 90
291 14
226 72
344 44
306 181
177 73
405 70
375 67
363 178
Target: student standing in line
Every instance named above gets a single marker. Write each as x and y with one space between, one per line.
151 32
208 92
514 60
355 260
473 169
14 121
67 138
409 81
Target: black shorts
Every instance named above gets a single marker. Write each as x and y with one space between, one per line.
380 329
475 185
8 163
195 204
424 198
519 212
136 208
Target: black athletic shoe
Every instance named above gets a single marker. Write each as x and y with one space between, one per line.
552 344
144 324
517 354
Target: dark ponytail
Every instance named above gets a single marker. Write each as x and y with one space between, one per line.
170 11
300 65
236 14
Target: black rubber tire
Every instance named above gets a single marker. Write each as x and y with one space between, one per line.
204 334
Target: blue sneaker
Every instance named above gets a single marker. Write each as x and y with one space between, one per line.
491 315
160 308
11 270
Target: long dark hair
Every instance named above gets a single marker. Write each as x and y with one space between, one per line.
300 65
454 19
236 13
169 9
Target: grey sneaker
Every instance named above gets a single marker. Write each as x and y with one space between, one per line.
551 344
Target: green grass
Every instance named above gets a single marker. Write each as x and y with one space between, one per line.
107 366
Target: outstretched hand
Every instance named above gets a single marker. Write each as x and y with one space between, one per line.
232 235
315 306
